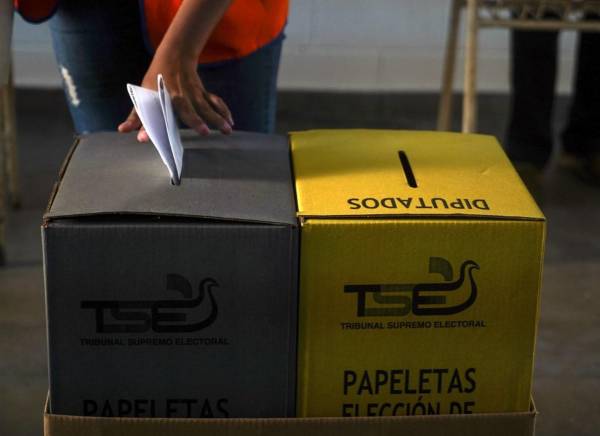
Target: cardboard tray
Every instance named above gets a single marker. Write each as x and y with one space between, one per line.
485 424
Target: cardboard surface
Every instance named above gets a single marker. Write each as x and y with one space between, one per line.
242 177
514 424
420 310
153 310
360 173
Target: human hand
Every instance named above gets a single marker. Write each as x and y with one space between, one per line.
194 105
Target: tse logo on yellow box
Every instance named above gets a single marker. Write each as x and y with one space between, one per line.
419 275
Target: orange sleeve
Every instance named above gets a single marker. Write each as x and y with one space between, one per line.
35 11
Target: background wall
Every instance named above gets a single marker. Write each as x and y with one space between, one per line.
337 45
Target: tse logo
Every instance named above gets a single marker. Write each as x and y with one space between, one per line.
160 316
419 298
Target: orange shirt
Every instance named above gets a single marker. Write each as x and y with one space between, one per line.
246 26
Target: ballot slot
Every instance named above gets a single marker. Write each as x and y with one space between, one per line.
407 168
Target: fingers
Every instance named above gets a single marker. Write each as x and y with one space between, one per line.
205 109
202 104
142 135
219 105
131 123
188 115
198 108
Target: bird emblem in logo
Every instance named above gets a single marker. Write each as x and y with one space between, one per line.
422 299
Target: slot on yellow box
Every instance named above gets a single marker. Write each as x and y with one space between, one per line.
421 259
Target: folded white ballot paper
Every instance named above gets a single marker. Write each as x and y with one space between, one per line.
156 114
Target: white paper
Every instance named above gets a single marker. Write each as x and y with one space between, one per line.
157 117
171 124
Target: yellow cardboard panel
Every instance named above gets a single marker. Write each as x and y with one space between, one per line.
360 173
417 316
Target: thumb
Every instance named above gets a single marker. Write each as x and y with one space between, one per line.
142 135
132 122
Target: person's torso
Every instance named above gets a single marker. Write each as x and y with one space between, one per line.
246 26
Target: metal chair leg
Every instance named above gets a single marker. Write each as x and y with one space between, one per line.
10 132
469 121
2 178
445 106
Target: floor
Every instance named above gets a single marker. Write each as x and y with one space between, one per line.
567 374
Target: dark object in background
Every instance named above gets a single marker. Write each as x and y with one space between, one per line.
170 300
533 78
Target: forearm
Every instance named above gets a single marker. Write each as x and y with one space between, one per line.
191 28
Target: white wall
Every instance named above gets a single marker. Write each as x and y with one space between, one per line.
366 45
34 64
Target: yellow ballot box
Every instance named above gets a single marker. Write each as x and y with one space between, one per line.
421 259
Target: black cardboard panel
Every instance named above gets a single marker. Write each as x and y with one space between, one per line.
241 177
118 344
